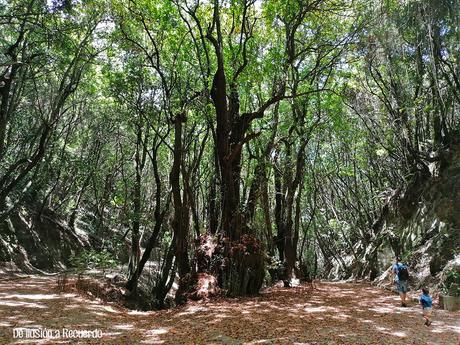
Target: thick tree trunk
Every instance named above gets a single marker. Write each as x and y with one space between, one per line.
231 135
241 275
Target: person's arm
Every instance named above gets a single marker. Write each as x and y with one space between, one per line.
390 276
393 273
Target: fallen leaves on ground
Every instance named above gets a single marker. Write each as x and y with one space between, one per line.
334 313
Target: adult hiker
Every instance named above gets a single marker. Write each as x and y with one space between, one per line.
401 279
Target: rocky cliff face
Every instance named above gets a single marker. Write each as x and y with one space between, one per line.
32 242
424 224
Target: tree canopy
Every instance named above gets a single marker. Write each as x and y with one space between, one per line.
242 139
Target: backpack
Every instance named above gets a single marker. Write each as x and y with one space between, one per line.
403 273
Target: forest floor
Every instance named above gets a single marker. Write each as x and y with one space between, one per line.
334 313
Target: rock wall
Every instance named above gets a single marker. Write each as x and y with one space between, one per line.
32 242
424 224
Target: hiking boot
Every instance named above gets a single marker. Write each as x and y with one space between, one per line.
427 322
403 305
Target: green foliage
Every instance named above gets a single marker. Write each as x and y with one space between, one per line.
451 283
371 89
274 263
91 259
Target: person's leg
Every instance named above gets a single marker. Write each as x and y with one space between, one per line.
427 316
427 320
400 290
403 299
403 293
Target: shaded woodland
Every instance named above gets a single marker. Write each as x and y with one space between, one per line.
227 145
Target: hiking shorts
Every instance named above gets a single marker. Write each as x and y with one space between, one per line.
427 312
402 286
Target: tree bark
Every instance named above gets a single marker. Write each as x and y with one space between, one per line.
140 158
181 213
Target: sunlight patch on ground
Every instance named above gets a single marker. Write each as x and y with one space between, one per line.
456 329
138 312
21 304
157 331
154 333
321 309
110 334
124 326
262 311
152 341
102 308
109 309
261 341
341 317
73 306
302 305
31 296
382 310
99 313
388 331
345 293
445 328
399 334
24 286
192 310
346 336
23 322
219 308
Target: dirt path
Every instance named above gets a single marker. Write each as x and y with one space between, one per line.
336 313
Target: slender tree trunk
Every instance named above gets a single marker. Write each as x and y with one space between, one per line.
168 270
159 216
137 207
279 213
181 213
267 218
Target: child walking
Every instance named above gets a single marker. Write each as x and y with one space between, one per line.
427 305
